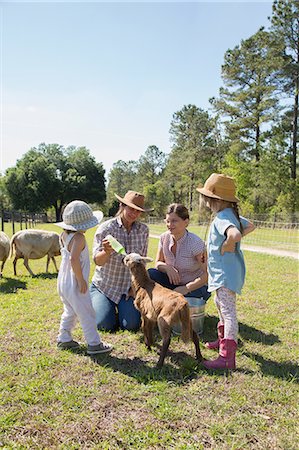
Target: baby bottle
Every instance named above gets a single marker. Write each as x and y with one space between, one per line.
117 246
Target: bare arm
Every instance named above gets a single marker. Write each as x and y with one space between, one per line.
77 245
171 272
250 227
103 255
199 281
233 235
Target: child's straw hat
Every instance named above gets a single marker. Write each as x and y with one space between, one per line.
221 187
78 215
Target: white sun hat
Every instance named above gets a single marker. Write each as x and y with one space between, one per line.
78 215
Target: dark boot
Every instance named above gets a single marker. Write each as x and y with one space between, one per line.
226 358
215 344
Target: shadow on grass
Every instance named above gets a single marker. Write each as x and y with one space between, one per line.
142 372
11 285
247 332
284 370
46 276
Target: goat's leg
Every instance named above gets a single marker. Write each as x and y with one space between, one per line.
54 262
2 266
165 346
197 348
147 332
47 264
27 266
15 266
165 332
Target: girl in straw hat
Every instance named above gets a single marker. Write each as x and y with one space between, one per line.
110 290
73 277
226 267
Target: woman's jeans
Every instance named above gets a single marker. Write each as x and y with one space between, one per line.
110 316
162 278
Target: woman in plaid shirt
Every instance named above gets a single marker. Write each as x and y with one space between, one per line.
111 283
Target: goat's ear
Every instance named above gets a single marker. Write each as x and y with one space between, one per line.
147 259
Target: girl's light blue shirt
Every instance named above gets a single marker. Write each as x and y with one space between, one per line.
226 270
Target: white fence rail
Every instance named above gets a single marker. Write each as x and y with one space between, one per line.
273 235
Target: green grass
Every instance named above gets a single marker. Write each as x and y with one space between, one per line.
52 399
275 238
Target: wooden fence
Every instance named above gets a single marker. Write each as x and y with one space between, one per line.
26 220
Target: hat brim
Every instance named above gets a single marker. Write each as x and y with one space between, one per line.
93 222
211 194
132 205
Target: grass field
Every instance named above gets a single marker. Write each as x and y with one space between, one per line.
52 399
274 238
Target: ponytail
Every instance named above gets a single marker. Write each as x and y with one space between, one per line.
236 212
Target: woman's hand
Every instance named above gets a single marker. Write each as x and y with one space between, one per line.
103 255
107 247
173 275
182 290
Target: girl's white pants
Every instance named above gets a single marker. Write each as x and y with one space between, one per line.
77 306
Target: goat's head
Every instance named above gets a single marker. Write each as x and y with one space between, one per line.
134 258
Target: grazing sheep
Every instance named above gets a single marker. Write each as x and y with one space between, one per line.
160 305
34 244
4 249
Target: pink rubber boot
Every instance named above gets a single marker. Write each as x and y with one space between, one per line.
226 358
215 344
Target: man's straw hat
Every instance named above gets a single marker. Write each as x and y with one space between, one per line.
219 186
134 200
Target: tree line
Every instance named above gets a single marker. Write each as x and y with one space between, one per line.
249 132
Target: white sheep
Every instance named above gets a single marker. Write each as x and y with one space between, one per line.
34 244
4 249
160 305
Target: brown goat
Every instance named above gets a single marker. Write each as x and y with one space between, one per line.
160 305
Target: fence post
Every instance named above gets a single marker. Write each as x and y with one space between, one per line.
2 220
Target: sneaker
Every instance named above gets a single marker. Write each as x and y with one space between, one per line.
70 345
102 347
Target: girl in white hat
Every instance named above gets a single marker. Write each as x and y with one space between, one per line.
73 277
226 267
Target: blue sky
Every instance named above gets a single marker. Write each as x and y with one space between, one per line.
109 76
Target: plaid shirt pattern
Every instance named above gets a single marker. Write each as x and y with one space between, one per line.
113 278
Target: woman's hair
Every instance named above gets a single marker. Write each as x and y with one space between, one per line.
226 204
120 209
179 209
236 212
